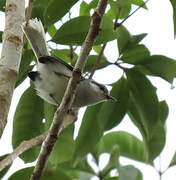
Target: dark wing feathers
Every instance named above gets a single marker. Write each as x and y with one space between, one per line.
54 59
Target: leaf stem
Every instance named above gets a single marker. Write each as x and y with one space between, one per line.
97 61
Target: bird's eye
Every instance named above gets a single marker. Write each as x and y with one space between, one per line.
104 89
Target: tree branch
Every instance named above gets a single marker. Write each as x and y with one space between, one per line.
70 91
24 146
11 55
97 61
29 10
28 144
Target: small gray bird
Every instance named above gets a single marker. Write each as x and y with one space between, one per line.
53 74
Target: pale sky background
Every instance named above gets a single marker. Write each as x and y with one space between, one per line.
157 22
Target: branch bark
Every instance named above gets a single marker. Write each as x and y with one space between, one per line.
70 91
24 146
11 55
28 144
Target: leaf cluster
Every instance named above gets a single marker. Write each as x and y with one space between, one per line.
136 97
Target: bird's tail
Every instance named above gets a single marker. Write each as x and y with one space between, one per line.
34 32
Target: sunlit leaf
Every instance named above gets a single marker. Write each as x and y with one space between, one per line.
84 10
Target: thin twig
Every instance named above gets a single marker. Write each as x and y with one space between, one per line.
70 91
28 16
97 61
71 54
132 13
24 146
29 10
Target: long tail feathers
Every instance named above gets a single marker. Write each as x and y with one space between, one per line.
34 32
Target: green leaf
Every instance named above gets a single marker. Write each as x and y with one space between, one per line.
163 111
82 165
129 145
135 54
41 2
97 48
27 122
49 111
51 30
113 161
2 5
85 7
55 174
38 11
174 15
112 113
129 173
5 170
65 55
123 38
138 3
144 102
111 178
125 10
137 38
161 66
107 32
91 61
158 140
57 9
22 174
27 58
155 143
52 174
128 43
173 161
84 10
84 176
64 147
77 35
90 132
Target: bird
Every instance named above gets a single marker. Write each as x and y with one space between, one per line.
52 74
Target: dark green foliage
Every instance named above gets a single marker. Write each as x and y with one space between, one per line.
136 96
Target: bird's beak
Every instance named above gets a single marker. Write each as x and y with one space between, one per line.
111 98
